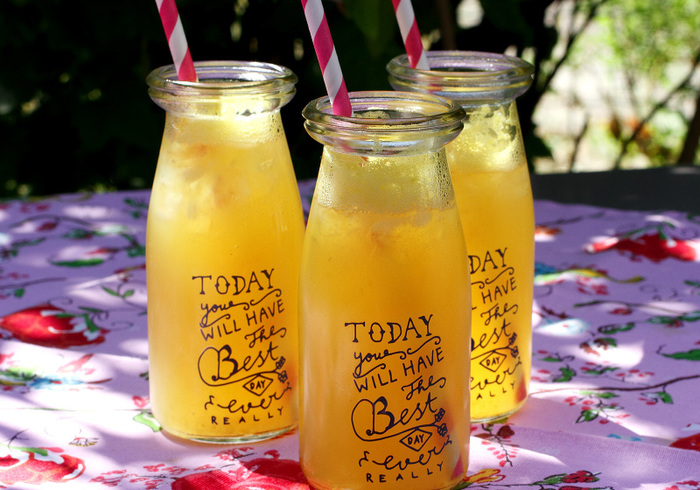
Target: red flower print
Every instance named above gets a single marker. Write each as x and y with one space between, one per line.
38 465
139 401
208 479
690 442
271 465
235 453
547 230
580 476
621 311
266 473
654 246
77 365
505 432
234 481
47 226
33 207
50 326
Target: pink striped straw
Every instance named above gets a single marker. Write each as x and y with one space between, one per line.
327 57
410 34
176 40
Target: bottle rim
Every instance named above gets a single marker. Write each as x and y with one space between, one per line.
464 75
384 122
221 78
416 112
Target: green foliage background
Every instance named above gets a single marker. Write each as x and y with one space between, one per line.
74 109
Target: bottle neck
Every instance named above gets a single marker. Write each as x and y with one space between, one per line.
385 124
384 184
223 89
470 78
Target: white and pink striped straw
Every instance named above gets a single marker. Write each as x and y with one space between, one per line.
410 34
327 57
177 41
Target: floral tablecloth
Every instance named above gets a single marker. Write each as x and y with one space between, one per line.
615 399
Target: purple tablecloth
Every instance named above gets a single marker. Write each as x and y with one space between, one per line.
615 398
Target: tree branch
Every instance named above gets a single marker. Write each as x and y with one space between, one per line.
663 384
659 105
692 137
570 41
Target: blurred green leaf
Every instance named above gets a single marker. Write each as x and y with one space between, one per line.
588 415
75 113
691 355
566 374
376 20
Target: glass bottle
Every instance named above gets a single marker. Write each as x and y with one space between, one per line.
492 184
223 247
384 299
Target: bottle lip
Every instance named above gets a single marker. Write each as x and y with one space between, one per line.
416 111
412 117
464 75
220 78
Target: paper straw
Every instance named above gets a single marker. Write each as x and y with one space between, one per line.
410 34
176 40
327 57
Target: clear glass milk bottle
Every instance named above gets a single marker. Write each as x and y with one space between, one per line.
223 247
492 184
384 300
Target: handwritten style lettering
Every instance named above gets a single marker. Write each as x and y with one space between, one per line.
393 332
495 296
234 285
490 261
402 397
243 324
218 367
374 420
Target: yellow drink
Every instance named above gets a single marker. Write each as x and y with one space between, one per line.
492 186
225 230
384 326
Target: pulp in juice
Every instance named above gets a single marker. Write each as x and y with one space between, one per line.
492 187
385 324
225 229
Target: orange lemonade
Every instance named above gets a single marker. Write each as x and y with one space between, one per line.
224 237
492 186
384 321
